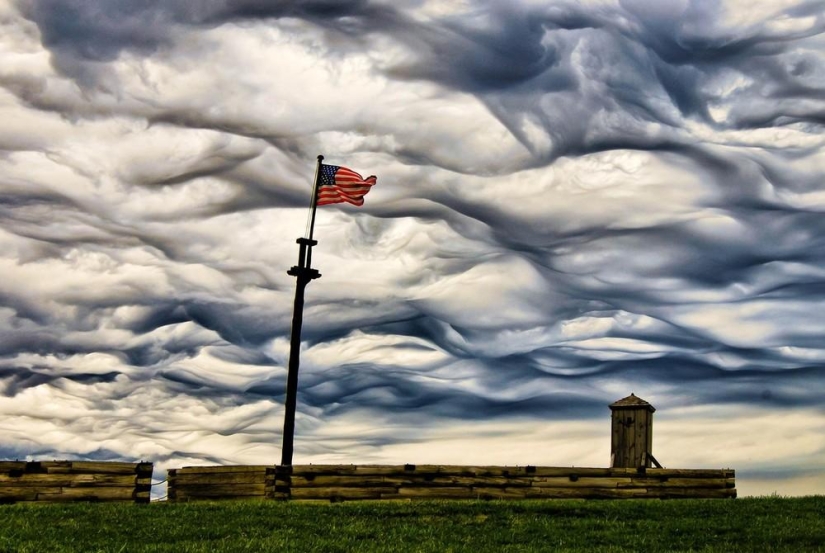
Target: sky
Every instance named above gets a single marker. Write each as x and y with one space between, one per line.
576 201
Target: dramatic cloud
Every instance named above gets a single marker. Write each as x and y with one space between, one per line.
575 200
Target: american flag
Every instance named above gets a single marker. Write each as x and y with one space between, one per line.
339 184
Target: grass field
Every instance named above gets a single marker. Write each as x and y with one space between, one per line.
754 524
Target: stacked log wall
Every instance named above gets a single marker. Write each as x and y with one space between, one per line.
56 481
394 482
213 483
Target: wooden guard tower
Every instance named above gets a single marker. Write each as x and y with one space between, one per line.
631 440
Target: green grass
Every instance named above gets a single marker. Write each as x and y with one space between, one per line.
758 524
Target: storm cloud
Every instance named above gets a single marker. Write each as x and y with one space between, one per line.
575 201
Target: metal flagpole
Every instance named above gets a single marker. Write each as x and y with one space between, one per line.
304 273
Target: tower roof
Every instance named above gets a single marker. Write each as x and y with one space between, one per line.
632 402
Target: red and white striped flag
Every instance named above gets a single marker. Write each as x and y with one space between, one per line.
339 184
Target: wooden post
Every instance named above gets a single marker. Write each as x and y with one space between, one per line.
631 440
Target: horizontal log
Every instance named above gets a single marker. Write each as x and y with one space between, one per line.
500 493
365 470
691 473
459 470
469 471
389 470
334 493
581 482
72 480
403 480
6 466
584 471
214 469
92 467
437 493
211 478
454 470
691 493
217 490
26 493
94 493
325 481
682 483
585 493
185 498
139 497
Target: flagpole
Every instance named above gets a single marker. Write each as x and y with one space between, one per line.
304 273
314 203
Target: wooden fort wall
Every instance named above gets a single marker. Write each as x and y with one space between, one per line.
394 482
52 481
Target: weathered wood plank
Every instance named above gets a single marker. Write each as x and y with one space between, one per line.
211 478
338 494
433 480
583 471
581 482
690 493
84 467
396 470
691 473
585 493
216 469
325 481
215 490
187 498
365 470
682 483
462 471
87 494
440 493
74 480
500 493
26 493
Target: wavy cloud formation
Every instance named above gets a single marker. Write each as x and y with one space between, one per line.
576 200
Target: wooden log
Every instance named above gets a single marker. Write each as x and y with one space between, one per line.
136 497
691 473
390 470
210 478
182 498
25 493
471 471
89 467
433 480
87 494
500 493
73 480
436 493
218 490
585 493
583 471
691 493
8 466
682 483
214 469
490 481
581 482
325 481
340 494
453 470
332 470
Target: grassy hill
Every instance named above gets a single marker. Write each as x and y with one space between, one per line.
751 524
